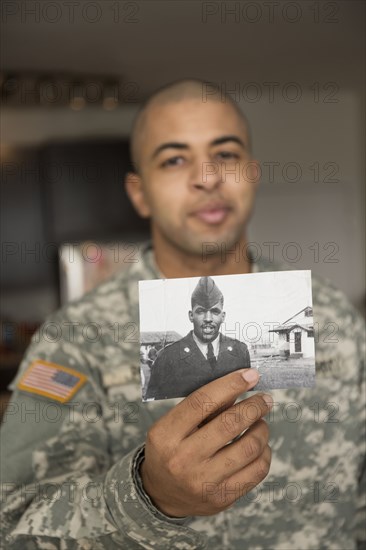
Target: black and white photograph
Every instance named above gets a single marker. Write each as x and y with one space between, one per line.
195 330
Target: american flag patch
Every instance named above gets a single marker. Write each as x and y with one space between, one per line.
51 380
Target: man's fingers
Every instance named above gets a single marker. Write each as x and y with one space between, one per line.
246 479
208 399
223 495
225 427
234 457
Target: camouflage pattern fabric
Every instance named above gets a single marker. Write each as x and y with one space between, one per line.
70 471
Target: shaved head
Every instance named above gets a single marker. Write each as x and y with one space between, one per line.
194 175
187 89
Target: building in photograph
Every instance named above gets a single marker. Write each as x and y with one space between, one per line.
296 334
158 340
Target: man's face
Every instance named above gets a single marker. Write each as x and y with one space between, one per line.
207 322
197 178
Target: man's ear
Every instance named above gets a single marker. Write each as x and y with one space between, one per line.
136 193
190 315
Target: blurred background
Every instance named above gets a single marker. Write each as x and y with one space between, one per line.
72 77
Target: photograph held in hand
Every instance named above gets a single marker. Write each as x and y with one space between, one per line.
260 320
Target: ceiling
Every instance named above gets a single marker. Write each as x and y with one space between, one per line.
151 42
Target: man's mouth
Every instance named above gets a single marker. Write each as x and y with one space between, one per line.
208 329
212 215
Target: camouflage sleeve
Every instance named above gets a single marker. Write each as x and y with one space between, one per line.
60 488
145 525
360 518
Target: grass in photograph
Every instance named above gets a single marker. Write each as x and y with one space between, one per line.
294 373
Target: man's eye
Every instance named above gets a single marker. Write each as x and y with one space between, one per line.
173 161
227 155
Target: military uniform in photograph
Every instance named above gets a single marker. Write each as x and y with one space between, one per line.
191 362
181 368
73 438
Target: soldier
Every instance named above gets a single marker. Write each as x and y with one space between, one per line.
152 355
85 465
201 356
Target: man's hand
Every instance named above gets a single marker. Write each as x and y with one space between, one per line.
192 465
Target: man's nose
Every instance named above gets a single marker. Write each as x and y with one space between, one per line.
206 174
208 316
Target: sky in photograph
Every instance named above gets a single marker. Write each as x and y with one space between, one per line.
249 300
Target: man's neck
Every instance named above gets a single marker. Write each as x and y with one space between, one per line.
174 262
199 342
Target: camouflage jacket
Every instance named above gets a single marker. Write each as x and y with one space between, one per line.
70 470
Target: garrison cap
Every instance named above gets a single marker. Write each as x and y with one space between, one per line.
206 293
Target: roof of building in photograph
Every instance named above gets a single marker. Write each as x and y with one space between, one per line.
306 312
302 319
289 328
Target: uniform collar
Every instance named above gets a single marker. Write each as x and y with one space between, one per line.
203 347
147 255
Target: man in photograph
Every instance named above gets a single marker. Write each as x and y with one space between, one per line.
152 355
93 467
201 356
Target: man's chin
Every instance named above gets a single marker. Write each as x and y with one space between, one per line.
202 244
206 338
209 244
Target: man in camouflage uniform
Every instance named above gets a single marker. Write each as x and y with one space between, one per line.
86 465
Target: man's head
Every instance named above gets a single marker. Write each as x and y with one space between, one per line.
176 92
207 312
195 177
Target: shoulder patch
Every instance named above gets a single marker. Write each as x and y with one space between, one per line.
51 380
